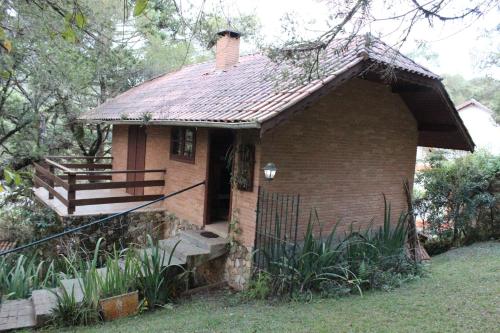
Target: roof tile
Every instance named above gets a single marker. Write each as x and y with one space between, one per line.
246 93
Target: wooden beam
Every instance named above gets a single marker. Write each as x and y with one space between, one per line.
51 190
118 171
410 88
87 166
124 184
431 127
89 177
46 173
59 166
81 157
110 200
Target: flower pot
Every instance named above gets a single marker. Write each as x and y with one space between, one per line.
119 306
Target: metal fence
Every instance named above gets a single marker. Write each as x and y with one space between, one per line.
276 227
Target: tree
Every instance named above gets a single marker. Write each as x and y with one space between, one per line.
49 81
350 17
484 89
61 58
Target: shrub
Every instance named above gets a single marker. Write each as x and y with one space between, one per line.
437 246
20 276
69 313
455 196
158 278
121 274
89 281
362 260
259 287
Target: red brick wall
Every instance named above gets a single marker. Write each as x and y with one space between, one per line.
189 205
343 153
119 151
244 203
227 52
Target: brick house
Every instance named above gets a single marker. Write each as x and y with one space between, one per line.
340 142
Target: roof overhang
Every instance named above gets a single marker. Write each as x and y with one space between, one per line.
439 124
213 124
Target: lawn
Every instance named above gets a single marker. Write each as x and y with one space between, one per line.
460 294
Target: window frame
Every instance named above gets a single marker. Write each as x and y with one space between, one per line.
182 143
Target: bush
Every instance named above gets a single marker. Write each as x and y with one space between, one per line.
19 276
455 202
69 313
122 269
373 259
259 287
437 246
157 281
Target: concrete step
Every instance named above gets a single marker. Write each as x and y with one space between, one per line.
73 286
44 302
16 314
76 284
185 250
216 246
165 254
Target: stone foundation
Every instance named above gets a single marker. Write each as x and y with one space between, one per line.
238 267
122 231
235 267
173 225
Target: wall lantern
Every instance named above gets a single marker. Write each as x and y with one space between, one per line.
270 171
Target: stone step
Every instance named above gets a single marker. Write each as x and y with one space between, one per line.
165 254
75 285
44 302
216 246
16 314
184 249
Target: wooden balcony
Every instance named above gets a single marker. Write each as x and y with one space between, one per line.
85 186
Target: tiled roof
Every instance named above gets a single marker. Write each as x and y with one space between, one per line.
247 94
6 245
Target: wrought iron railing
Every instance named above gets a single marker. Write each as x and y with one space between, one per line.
276 227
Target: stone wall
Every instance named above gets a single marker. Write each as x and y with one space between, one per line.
121 231
238 267
173 224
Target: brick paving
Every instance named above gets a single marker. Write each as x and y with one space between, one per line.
16 314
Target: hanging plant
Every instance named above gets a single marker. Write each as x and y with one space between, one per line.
241 172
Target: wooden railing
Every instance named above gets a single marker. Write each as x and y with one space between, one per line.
81 173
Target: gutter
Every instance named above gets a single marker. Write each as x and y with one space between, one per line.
210 124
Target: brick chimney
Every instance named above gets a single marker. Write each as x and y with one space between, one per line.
227 50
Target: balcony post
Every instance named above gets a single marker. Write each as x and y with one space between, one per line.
50 181
71 193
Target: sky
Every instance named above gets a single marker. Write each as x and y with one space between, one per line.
457 44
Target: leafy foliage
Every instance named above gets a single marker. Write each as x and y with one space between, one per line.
362 260
121 274
157 276
20 276
484 89
456 196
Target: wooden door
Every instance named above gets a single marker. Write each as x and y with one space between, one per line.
136 156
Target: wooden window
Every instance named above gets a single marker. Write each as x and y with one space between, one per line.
183 144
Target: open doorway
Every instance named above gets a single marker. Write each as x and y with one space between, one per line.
219 180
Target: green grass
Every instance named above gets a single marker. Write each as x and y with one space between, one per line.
460 294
